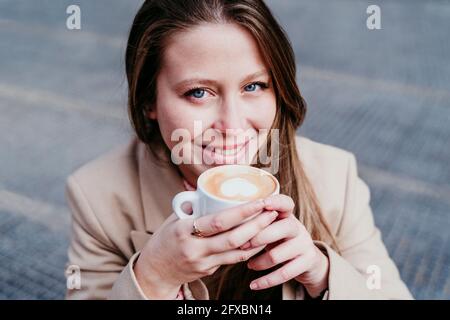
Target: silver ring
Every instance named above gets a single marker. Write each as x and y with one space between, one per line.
195 231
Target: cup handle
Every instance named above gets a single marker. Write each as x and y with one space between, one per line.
182 197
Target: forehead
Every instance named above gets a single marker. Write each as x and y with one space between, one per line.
212 49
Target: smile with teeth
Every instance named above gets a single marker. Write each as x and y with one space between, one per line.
227 152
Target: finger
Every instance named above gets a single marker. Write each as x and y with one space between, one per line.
232 256
281 229
280 202
287 272
228 218
212 270
284 252
238 236
272 245
170 219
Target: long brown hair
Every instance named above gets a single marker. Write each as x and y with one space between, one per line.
155 22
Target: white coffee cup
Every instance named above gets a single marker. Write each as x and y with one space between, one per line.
204 202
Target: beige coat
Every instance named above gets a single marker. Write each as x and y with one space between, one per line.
120 199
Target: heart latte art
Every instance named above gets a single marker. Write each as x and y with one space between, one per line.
239 186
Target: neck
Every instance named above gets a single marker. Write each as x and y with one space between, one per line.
189 176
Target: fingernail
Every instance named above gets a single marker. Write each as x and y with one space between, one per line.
267 202
253 286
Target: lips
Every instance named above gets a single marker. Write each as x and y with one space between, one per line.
225 154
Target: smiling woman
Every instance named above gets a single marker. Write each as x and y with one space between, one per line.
229 65
193 86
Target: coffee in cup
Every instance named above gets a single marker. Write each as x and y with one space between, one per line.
226 186
237 185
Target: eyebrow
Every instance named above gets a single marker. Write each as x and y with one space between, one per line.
210 82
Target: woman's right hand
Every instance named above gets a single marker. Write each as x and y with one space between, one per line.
174 256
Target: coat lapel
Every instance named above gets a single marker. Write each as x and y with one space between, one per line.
159 183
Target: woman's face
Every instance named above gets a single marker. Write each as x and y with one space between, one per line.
213 85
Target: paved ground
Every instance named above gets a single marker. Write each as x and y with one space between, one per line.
382 94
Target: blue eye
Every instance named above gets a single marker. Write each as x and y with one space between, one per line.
251 87
197 93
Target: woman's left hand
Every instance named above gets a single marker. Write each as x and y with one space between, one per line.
289 244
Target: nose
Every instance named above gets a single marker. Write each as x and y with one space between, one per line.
230 116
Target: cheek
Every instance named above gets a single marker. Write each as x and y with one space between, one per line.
169 121
264 117
174 116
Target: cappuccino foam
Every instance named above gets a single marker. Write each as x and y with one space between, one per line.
239 186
